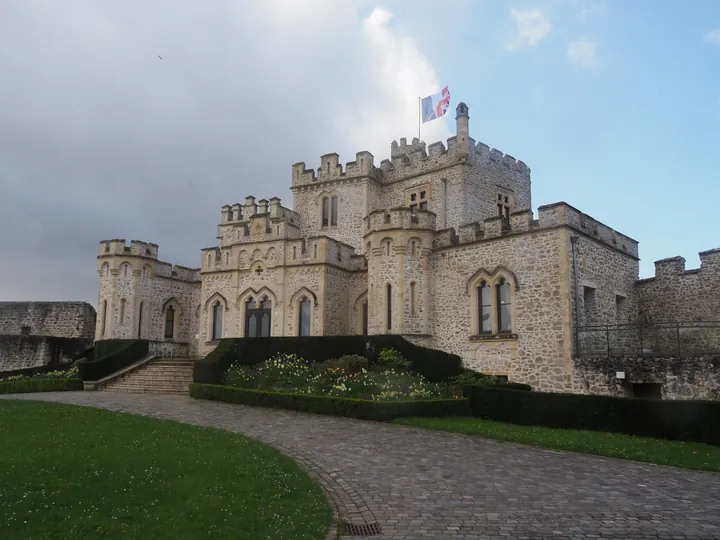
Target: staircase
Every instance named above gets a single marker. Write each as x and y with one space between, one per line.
158 376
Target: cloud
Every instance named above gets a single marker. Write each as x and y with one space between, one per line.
583 53
589 8
712 37
100 138
531 27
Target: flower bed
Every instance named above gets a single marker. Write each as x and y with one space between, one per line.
50 381
389 379
70 373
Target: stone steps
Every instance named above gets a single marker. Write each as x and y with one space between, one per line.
158 376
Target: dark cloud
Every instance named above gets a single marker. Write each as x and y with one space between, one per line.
100 138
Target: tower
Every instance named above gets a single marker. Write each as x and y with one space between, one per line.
462 120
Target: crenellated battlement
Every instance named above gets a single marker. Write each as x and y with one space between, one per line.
136 248
244 213
331 169
674 267
399 218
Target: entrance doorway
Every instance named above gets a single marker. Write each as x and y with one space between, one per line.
258 316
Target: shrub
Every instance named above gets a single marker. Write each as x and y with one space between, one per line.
349 363
40 385
355 408
49 371
392 359
112 355
697 421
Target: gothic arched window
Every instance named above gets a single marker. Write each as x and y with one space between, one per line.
325 211
503 306
304 319
484 308
334 210
217 321
170 322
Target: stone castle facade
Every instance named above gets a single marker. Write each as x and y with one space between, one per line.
437 243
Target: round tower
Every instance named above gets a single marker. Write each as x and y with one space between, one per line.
398 247
462 120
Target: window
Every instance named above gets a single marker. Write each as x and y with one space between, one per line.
122 310
25 330
257 318
169 322
125 270
492 297
504 203
620 309
388 301
503 306
217 321
413 309
140 321
334 210
325 211
365 318
305 306
104 318
484 308
418 197
590 305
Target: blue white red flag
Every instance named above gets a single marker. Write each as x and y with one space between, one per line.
436 105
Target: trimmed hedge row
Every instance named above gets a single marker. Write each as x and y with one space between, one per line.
697 421
40 385
112 355
39 370
335 406
436 366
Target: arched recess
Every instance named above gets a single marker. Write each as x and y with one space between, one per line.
146 270
498 272
303 321
243 259
172 315
361 306
258 295
216 322
270 255
386 245
414 246
125 270
105 270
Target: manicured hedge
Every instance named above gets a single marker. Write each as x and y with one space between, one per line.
436 366
40 385
112 355
355 408
697 421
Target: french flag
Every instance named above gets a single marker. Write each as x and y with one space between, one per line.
436 105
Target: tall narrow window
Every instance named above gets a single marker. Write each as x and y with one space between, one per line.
365 319
140 321
325 211
104 318
412 299
305 306
388 301
484 308
170 323
217 321
122 311
503 306
334 210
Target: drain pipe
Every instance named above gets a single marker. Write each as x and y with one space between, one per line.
573 242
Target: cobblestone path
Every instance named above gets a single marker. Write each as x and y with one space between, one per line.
421 484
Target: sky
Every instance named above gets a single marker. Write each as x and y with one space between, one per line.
139 120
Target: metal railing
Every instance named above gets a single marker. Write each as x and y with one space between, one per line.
676 339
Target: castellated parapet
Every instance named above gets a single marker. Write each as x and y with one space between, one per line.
136 248
331 169
259 221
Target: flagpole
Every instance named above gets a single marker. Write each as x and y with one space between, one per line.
419 116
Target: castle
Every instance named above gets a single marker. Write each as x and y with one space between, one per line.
438 244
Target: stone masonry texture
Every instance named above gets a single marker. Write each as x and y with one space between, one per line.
419 484
411 241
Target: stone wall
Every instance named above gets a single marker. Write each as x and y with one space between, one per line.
58 319
20 352
686 378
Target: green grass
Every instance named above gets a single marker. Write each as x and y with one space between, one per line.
77 472
688 455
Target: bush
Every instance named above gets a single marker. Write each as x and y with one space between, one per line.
350 363
40 385
436 366
35 371
67 373
355 408
112 355
697 421
392 359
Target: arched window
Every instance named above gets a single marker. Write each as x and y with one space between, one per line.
388 301
258 318
103 322
170 322
413 308
125 270
140 321
484 308
503 306
325 211
305 307
105 269
122 310
217 321
334 210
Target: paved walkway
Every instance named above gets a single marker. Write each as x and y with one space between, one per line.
420 484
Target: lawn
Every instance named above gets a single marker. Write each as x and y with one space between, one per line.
78 472
662 452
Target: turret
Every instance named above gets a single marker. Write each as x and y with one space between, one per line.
462 119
